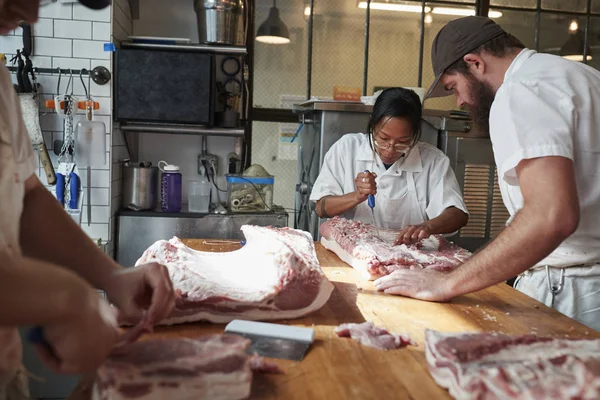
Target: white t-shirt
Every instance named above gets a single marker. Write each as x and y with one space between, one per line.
549 106
17 163
416 188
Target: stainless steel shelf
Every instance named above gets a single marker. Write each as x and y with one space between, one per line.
180 129
234 50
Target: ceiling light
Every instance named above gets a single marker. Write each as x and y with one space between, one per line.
428 18
394 7
273 30
573 26
418 9
307 11
573 48
464 12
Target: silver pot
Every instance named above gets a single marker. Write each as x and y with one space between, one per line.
219 21
140 184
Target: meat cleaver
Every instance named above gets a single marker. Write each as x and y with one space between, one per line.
274 340
31 118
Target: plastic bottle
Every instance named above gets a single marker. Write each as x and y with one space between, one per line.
170 187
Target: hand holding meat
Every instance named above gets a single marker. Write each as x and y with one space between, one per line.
413 233
365 185
144 291
423 284
82 341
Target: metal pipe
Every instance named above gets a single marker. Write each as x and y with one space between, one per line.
366 55
421 45
53 70
538 19
310 43
586 37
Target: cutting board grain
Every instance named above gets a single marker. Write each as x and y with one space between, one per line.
337 368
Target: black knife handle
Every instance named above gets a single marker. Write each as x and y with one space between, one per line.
27 88
26 39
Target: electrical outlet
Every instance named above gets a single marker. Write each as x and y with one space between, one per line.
206 161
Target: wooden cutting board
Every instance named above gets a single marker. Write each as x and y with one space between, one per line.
340 368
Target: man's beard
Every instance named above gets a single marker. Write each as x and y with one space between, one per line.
482 96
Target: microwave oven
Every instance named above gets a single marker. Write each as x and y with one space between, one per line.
164 86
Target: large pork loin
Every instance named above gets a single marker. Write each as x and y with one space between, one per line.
275 275
488 366
212 367
371 252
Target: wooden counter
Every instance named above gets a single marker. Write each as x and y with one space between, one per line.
340 368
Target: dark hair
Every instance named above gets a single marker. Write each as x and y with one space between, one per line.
399 103
499 46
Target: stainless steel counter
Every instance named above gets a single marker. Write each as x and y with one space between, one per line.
136 231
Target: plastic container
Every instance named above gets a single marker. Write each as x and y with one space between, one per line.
249 194
170 187
199 196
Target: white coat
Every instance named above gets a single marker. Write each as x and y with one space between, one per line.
416 188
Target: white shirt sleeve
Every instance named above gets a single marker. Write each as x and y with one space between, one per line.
444 191
330 179
530 121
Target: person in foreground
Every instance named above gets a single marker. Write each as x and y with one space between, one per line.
543 116
50 269
415 189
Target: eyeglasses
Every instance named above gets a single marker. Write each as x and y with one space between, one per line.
385 144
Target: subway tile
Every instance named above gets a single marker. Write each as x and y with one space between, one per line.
10 44
73 63
101 31
104 63
105 105
51 122
52 47
101 90
100 178
96 231
100 215
57 10
43 27
41 61
72 29
89 49
100 197
81 12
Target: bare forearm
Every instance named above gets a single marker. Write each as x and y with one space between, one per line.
50 234
451 220
526 241
330 206
35 292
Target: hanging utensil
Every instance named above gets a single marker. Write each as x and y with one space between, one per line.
90 144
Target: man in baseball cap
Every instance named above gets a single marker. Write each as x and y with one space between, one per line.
543 116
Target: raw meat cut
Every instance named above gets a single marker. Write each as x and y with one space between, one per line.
208 367
496 366
370 335
259 364
373 256
276 275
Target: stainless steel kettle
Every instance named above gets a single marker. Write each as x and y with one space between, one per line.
219 21
140 186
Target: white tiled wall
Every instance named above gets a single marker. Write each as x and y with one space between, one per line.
71 36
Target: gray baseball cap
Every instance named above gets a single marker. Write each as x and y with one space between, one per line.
456 40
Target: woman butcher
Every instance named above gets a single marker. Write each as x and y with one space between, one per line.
415 189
